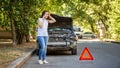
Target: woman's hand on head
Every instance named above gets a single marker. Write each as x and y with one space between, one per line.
49 15
52 20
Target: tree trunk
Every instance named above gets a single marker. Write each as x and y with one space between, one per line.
20 38
19 33
92 27
13 32
12 24
26 28
27 38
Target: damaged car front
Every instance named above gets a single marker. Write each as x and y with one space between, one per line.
61 35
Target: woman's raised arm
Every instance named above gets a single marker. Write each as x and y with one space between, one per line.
52 20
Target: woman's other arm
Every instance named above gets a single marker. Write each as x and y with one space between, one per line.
40 24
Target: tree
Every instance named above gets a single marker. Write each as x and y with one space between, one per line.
22 15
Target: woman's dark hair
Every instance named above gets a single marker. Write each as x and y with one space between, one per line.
43 13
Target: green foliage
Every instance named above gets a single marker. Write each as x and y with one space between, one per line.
86 12
114 20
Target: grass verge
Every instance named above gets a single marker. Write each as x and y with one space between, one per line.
9 53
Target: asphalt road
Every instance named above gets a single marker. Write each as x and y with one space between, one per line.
106 55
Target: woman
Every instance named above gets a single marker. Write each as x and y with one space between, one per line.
42 36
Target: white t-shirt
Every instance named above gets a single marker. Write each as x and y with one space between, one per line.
43 31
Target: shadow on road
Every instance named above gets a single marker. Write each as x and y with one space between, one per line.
58 53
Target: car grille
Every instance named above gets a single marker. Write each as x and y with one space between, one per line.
55 39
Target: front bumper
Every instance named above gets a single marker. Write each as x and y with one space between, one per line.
61 46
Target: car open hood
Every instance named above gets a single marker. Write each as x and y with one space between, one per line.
61 22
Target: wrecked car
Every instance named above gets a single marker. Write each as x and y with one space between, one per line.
61 35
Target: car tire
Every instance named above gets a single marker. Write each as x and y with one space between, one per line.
74 52
92 36
80 37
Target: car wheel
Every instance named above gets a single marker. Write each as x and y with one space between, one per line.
74 51
92 36
80 37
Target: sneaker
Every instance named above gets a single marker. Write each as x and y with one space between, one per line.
45 62
40 61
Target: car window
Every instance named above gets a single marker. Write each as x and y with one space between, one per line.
88 33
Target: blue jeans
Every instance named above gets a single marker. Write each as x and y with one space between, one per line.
42 41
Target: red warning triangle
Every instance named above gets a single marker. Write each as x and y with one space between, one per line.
86 55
